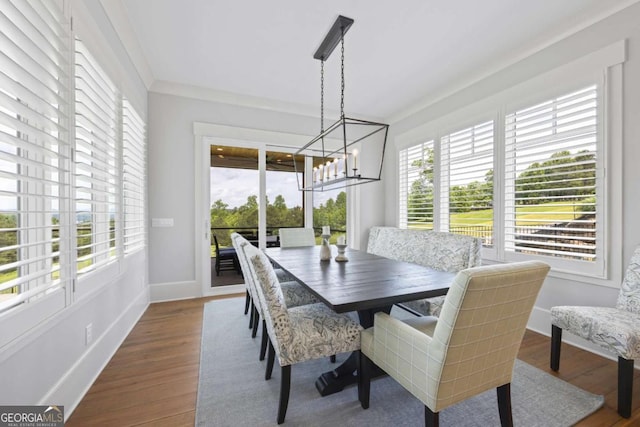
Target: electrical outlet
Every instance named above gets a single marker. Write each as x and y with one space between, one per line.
88 334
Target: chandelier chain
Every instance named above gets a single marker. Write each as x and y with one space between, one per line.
322 96
342 74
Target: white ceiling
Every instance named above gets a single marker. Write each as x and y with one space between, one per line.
398 55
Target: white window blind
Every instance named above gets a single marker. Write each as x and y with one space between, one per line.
34 152
96 163
134 167
466 194
416 186
552 172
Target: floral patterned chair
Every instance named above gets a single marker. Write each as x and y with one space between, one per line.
294 293
297 334
469 349
438 250
615 329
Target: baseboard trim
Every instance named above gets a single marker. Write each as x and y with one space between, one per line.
77 381
173 291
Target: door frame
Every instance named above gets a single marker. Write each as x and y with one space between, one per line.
206 134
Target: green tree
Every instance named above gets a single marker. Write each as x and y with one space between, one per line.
550 181
420 197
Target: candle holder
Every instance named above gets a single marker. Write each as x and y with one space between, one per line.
341 257
325 248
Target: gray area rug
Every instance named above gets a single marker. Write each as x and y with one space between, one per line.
232 390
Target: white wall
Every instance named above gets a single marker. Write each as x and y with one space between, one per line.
51 363
172 188
623 25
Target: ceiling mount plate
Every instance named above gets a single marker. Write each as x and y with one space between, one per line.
331 40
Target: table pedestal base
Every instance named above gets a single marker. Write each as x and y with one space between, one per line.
346 374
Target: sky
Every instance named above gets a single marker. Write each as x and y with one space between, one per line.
233 186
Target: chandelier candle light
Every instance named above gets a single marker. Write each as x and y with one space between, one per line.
325 249
342 245
350 151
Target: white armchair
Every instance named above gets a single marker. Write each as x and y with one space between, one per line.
294 237
615 329
469 349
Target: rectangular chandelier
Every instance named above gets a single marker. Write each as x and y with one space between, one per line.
350 151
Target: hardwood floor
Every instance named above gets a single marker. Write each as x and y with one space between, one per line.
153 378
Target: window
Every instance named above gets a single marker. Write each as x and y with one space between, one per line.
34 154
552 178
550 184
134 169
62 131
466 195
96 163
417 186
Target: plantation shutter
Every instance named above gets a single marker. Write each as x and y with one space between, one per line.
96 163
552 178
133 178
34 153
466 188
416 186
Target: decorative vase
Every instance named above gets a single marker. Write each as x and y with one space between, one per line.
325 248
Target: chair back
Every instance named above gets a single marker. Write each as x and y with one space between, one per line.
296 237
629 295
478 334
439 250
271 297
237 240
215 239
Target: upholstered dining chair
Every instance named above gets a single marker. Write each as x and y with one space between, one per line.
297 334
615 329
469 349
294 293
441 251
295 237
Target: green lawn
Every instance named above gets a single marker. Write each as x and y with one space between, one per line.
558 211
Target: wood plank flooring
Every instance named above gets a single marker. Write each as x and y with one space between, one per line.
152 380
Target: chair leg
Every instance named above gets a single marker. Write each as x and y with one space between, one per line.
256 322
431 419
364 380
263 344
247 300
556 342
504 405
625 386
285 387
271 355
252 308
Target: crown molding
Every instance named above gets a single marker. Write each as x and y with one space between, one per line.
114 9
447 92
224 97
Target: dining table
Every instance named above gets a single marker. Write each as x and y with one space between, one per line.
365 283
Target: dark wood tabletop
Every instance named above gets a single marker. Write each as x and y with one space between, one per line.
364 282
